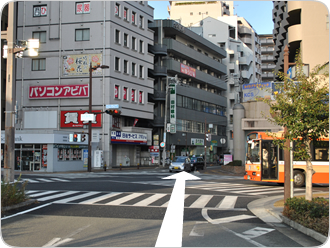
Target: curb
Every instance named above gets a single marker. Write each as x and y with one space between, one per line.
22 204
304 230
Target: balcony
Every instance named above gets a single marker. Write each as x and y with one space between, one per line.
267 42
267 58
158 95
158 49
270 67
173 66
159 71
194 56
244 30
267 75
246 40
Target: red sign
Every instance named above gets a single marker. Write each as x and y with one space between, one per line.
58 91
133 95
188 70
72 119
125 14
116 91
153 149
125 93
43 10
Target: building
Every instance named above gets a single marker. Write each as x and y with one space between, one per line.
187 13
301 25
200 91
52 90
267 57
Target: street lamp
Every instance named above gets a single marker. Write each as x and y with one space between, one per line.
91 69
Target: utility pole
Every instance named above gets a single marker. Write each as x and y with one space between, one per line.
205 145
9 148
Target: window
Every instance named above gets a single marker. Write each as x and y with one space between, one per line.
133 17
133 69
83 8
321 150
125 66
39 11
141 22
125 13
141 71
117 36
125 91
141 46
117 87
133 97
82 34
140 96
133 43
126 40
117 9
38 64
117 64
40 35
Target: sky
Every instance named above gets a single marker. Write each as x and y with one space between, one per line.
257 13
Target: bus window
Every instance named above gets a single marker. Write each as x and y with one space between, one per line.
321 151
253 152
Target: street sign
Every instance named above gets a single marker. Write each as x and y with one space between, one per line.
112 106
162 144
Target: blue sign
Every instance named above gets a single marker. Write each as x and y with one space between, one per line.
85 157
112 106
289 72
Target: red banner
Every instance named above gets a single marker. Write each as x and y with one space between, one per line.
125 93
72 119
59 91
140 96
188 70
133 95
116 91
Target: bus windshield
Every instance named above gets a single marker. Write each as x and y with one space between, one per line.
253 152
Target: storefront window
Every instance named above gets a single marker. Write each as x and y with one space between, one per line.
65 154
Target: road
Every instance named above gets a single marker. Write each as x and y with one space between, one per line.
126 208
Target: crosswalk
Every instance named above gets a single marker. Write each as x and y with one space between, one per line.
225 187
135 199
43 180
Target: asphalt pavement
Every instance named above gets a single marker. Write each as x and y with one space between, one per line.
268 209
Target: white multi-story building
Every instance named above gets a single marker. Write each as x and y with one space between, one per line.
53 89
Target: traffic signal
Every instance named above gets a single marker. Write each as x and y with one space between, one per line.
114 112
75 137
208 137
83 137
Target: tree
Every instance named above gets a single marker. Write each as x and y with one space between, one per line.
302 106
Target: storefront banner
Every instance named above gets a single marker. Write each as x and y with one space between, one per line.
85 157
78 65
188 70
59 91
197 142
119 137
73 119
227 159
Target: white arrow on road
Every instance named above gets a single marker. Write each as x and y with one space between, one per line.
170 234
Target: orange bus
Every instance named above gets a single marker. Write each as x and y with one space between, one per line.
264 160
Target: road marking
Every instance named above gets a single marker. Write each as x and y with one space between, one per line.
43 193
57 196
201 201
124 199
226 219
100 198
26 211
195 232
149 200
228 202
61 180
76 197
170 234
242 236
45 180
165 205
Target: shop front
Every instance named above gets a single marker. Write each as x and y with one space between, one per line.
48 152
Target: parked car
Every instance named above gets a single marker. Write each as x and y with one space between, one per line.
180 163
197 163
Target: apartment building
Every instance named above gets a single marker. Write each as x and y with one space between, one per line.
187 13
267 57
199 95
53 89
301 25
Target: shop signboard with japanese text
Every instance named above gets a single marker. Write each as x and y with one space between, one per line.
73 119
59 91
78 64
188 70
172 88
120 137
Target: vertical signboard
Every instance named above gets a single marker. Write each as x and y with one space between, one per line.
172 88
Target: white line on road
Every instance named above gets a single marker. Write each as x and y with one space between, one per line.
149 200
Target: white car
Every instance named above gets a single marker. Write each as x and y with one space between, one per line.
180 163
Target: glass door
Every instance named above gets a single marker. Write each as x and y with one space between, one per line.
269 160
